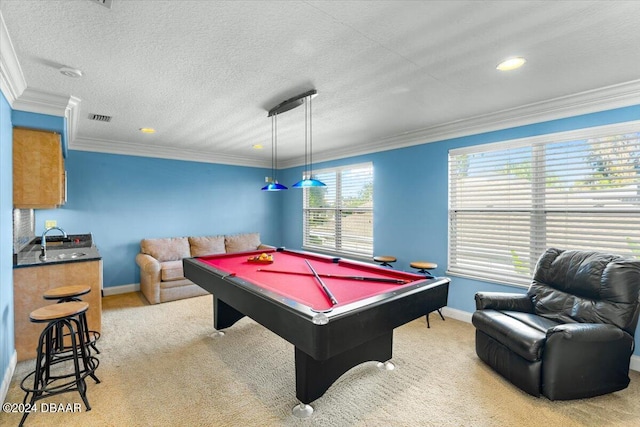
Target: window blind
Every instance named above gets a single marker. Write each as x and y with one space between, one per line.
338 218
509 202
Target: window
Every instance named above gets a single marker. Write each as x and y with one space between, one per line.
510 201
338 218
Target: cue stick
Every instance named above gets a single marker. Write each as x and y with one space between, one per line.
338 276
326 290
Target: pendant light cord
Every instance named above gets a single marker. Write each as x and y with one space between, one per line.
310 138
274 149
272 145
306 136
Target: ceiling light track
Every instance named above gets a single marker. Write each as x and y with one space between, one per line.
291 103
105 3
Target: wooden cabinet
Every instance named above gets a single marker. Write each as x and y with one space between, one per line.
39 180
30 283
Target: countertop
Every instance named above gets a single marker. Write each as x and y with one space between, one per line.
76 248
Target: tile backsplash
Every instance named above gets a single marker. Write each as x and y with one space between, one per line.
24 228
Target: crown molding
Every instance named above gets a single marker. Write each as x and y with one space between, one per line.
171 153
71 114
12 81
607 98
39 101
592 101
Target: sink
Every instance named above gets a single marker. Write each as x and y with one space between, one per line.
72 255
64 256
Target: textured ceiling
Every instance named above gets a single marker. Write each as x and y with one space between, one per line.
204 73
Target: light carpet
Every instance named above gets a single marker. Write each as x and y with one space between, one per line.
160 366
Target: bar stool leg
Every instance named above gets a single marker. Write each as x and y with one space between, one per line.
84 348
38 380
88 339
422 267
80 382
427 316
87 332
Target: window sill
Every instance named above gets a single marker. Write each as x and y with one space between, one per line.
363 258
484 279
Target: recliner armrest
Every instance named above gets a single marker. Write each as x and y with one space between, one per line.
591 332
504 301
585 359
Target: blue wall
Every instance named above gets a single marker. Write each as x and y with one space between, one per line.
411 199
7 347
123 199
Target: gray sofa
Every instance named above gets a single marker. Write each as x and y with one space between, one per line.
160 261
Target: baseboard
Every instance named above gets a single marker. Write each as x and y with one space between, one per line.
8 374
454 313
122 289
464 316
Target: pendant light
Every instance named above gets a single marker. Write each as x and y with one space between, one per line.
307 176
290 104
274 185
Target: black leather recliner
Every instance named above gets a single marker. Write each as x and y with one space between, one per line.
571 335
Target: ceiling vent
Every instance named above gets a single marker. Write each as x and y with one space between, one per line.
105 3
99 117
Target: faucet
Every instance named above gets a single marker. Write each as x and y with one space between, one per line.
43 241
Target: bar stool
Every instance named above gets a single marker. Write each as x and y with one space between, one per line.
73 293
61 342
423 267
385 260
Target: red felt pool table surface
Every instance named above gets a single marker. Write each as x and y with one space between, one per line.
304 288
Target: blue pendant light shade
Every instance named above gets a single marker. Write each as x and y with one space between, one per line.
308 180
308 183
274 185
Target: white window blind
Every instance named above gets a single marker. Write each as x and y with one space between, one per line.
338 218
509 202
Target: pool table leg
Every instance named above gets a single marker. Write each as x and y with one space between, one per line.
314 377
224 316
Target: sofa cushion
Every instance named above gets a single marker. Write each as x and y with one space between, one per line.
242 242
532 320
171 270
169 249
173 284
206 245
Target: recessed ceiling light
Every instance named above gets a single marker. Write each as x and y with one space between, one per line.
257 146
511 63
147 130
71 72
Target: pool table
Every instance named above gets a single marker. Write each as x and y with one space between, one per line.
330 337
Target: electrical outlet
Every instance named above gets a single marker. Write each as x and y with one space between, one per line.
267 179
50 223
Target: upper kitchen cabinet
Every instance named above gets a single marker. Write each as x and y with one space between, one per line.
38 169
